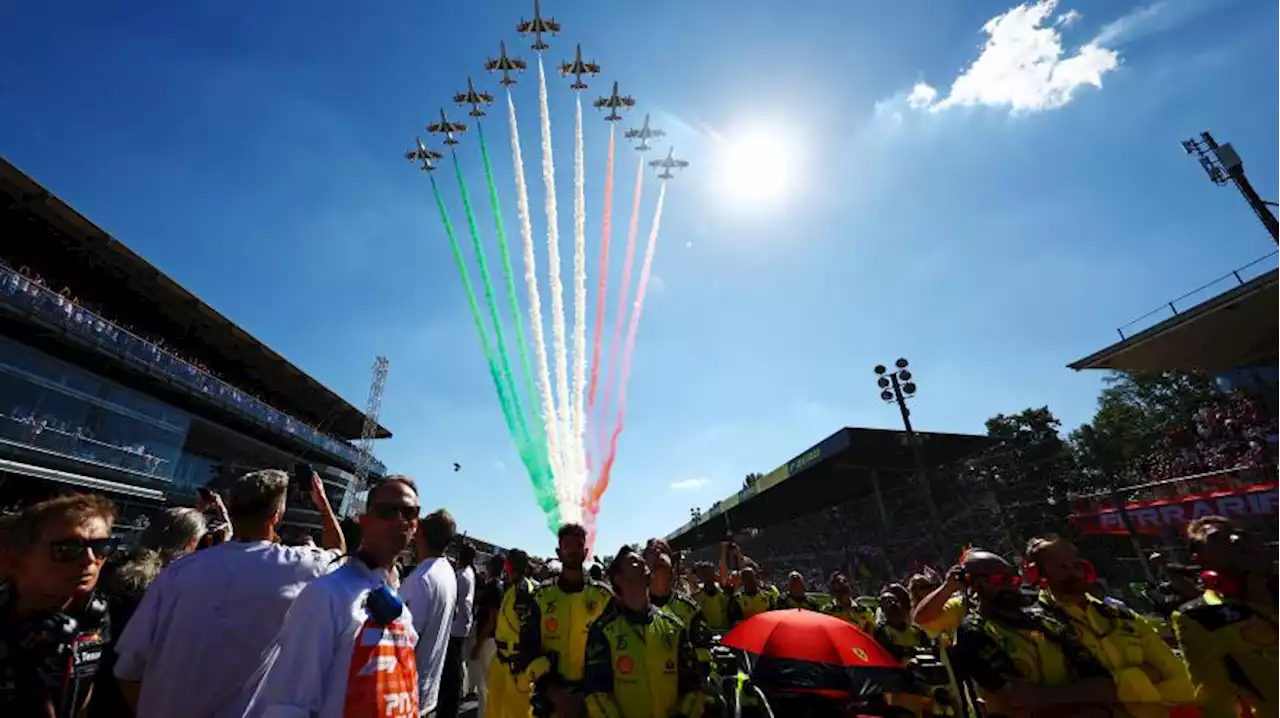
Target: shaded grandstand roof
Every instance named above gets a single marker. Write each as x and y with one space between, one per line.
832 471
1235 328
98 265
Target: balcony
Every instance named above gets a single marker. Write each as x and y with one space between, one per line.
32 299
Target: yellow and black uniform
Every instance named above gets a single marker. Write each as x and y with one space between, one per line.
553 642
805 602
714 603
1131 650
903 642
861 616
641 665
686 609
1230 650
507 697
750 604
953 612
1034 647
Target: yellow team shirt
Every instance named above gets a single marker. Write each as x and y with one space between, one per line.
1230 650
949 620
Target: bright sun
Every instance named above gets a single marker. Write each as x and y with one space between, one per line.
755 168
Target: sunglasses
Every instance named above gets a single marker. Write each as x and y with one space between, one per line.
386 512
1011 580
68 550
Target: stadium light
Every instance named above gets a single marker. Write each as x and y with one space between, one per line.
895 388
1223 165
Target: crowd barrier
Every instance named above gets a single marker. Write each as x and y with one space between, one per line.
35 299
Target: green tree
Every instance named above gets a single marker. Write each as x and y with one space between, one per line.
1135 410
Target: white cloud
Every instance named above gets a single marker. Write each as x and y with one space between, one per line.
1023 65
1151 19
691 484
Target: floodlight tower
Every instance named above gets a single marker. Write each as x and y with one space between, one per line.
372 408
895 388
1223 165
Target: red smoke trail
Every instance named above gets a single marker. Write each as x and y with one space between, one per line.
592 505
630 254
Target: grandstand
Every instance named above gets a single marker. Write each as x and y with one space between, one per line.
850 502
115 378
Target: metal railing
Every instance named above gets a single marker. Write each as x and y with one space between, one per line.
1171 306
27 295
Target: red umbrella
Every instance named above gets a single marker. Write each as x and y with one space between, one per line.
805 651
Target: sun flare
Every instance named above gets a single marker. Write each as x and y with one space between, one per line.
755 167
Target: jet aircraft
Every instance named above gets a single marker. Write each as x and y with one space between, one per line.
644 134
613 102
447 128
506 65
537 26
424 155
578 68
669 163
473 98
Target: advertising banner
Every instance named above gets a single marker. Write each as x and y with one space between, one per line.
1158 515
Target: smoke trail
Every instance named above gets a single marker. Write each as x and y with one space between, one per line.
642 287
504 361
606 229
544 497
563 481
578 423
628 259
550 422
535 432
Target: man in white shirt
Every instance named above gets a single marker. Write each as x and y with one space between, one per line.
431 592
453 676
202 626
346 647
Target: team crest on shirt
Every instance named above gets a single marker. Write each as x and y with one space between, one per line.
625 665
551 625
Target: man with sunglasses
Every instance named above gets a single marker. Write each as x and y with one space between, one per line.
1022 660
1228 635
53 624
1149 678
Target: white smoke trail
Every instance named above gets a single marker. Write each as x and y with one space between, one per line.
564 492
549 420
579 422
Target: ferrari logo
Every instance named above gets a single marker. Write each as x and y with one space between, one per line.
862 655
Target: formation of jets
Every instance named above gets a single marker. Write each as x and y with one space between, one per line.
578 68
614 102
505 65
644 134
421 154
508 65
450 130
669 163
537 26
473 98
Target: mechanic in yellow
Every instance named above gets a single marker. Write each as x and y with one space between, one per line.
1150 680
751 599
507 698
1228 635
797 595
712 598
553 641
640 663
843 606
1023 661
662 593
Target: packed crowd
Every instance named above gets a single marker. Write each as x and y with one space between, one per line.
29 288
1236 432
211 616
48 431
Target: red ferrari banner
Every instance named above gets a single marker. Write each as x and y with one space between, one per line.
1158 515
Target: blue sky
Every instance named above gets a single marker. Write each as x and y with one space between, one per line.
970 199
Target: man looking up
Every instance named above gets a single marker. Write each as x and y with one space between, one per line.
53 624
1228 635
640 663
712 599
431 593
751 599
1023 661
347 645
797 596
233 596
1149 677
662 593
843 606
553 642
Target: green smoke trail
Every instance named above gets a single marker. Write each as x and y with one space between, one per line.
546 499
522 344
